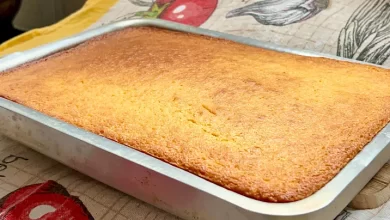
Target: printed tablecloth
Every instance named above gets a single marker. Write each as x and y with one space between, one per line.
358 29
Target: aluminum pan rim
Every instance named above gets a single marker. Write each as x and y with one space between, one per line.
315 202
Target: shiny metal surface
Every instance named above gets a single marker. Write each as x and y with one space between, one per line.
159 183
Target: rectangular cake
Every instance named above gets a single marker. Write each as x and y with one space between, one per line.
271 126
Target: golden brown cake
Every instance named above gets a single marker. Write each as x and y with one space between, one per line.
271 126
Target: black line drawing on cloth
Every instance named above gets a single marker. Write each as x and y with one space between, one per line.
366 35
121 18
343 215
281 12
142 3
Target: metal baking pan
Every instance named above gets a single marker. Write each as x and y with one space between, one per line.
158 183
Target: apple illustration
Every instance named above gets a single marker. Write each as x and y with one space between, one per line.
48 200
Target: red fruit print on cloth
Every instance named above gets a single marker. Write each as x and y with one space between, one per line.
44 201
189 12
194 12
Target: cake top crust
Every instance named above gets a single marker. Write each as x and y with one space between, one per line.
269 125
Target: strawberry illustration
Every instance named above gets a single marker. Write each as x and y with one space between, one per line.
47 201
189 12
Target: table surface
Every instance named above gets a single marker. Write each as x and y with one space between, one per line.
349 28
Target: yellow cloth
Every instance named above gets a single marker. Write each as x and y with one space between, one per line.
73 24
